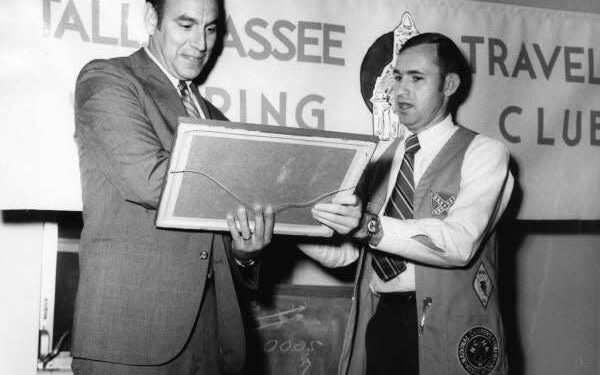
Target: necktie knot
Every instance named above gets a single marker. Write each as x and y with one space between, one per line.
412 145
183 88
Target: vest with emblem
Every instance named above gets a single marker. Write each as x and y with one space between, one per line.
460 329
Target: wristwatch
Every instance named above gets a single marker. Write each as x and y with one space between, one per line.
373 228
372 225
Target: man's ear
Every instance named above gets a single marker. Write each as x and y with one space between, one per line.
150 19
451 84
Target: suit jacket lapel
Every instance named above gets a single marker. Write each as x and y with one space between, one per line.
159 87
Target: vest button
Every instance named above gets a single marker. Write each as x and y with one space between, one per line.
204 255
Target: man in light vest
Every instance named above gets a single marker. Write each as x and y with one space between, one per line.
421 227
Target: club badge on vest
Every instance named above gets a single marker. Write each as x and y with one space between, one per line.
482 283
441 203
478 351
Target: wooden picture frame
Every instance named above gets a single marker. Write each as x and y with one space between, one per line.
218 166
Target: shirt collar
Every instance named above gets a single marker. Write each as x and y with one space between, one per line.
432 137
174 80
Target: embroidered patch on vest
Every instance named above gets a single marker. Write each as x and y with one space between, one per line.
441 203
483 285
478 351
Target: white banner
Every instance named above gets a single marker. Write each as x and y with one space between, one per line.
298 63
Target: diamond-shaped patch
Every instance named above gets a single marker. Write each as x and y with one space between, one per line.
441 203
483 285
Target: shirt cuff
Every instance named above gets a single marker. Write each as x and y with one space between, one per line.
245 263
395 230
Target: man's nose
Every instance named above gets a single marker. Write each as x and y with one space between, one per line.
400 87
198 40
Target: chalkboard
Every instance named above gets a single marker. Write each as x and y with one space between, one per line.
301 330
217 167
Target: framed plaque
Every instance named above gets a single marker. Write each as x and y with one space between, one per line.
218 166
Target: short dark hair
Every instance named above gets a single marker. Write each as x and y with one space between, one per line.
450 59
159 7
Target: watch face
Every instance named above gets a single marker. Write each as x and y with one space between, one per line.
373 225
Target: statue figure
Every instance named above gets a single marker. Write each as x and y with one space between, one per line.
385 121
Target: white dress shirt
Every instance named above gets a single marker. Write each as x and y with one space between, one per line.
449 242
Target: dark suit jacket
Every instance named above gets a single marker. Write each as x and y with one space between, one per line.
140 287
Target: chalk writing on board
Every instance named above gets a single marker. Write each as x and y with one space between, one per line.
301 329
278 319
303 348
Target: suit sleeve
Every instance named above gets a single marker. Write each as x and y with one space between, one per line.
113 128
246 277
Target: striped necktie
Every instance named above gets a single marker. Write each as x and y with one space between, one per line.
400 206
188 102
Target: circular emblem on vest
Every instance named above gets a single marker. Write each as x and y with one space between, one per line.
478 351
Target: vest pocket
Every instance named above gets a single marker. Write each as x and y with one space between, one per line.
474 345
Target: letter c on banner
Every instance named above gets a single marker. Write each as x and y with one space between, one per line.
502 123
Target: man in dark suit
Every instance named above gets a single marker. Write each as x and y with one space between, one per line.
150 300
